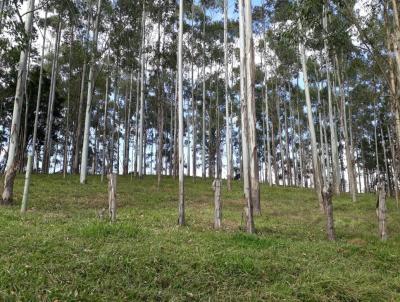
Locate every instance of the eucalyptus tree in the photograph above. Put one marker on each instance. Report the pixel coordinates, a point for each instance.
(7, 196)
(142, 87)
(91, 83)
(181, 219)
(228, 138)
(333, 136)
(50, 110)
(245, 103)
(25, 197)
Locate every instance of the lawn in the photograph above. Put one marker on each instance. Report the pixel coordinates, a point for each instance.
(61, 251)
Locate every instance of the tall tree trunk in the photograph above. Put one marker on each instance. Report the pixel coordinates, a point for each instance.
(316, 168)
(105, 145)
(333, 137)
(181, 219)
(160, 107)
(243, 5)
(396, 42)
(386, 162)
(394, 94)
(78, 134)
(7, 196)
(194, 127)
(278, 114)
(227, 114)
(25, 132)
(267, 144)
(274, 157)
(135, 167)
(300, 150)
(127, 126)
(394, 168)
(66, 131)
(203, 132)
(25, 197)
(86, 134)
(50, 111)
(287, 142)
(176, 134)
(142, 75)
(348, 146)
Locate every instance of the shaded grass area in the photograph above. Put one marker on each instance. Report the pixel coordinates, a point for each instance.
(60, 250)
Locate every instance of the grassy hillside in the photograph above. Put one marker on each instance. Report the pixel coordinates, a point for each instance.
(61, 251)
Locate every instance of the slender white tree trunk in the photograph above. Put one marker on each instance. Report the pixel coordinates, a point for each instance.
(244, 119)
(25, 197)
(50, 111)
(7, 196)
(267, 139)
(141, 121)
(316, 167)
(181, 219)
(127, 125)
(348, 147)
(251, 108)
(135, 168)
(334, 140)
(227, 114)
(194, 110)
(243, 104)
(203, 132)
(78, 134)
(66, 132)
(396, 41)
(86, 135)
(104, 140)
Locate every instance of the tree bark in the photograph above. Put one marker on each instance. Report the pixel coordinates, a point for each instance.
(181, 219)
(78, 134)
(244, 52)
(317, 172)
(394, 168)
(127, 126)
(381, 208)
(333, 137)
(251, 108)
(135, 166)
(142, 75)
(7, 196)
(66, 131)
(50, 111)
(25, 197)
(217, 204)
(86, 134)
(348, 147)
(227, 114)
(105, 145)
(203, 132)
(330, 228)
(112, 196)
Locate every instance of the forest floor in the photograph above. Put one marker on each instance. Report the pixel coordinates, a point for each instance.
(61, 251)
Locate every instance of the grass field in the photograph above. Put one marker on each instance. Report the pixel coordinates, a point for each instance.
(61, 251)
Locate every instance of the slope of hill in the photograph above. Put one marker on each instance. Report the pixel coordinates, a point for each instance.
(61, 251)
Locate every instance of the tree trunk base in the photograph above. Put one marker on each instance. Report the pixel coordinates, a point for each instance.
(217, 204)
(9, 177)
(112, 196)
(330, 224)
(381, 209)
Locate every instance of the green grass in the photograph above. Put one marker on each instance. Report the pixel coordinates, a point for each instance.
(61, 251)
